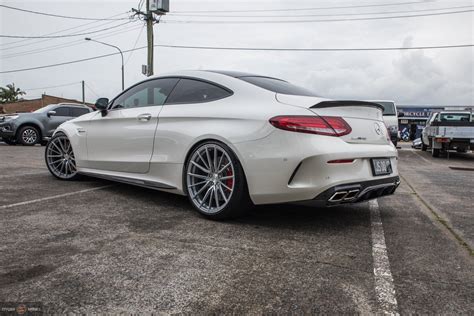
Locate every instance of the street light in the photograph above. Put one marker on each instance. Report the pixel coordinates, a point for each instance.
(123, 72)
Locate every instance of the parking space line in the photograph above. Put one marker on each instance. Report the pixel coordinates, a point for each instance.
(3, 207)
(419, 155)
(384, 286)
(23, 174)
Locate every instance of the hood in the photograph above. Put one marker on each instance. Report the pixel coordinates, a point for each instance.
(8, 117)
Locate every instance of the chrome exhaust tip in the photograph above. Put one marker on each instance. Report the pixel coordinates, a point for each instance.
(352, 194)
(338, 196)
(344, 196)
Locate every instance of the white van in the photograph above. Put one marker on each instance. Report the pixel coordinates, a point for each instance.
(390, 117)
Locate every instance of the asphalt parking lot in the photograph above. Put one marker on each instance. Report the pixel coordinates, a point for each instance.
(95, 246)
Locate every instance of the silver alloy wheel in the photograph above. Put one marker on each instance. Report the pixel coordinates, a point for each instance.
(29, 136)
(210, 178)
(60, 157)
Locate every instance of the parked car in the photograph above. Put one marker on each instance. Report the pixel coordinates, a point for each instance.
(228, 140)
(390, 117)
(37, 127)
(417, 143)
(448, 130)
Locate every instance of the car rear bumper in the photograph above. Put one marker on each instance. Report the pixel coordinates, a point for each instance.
(292, 167)
(358, 192)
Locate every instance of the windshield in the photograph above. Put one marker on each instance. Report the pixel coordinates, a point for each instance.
(454, 117)
(278, 86)
(388, 108)
(44, 109)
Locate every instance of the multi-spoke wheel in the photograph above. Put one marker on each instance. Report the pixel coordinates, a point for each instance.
(28, 136)
(215, 182)
(60, 158)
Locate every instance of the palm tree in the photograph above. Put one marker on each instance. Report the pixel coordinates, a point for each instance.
(10, 93)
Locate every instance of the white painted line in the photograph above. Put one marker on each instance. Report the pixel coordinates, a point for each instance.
(384, 287)
(3, 207)
(23, 174)
(419, 155)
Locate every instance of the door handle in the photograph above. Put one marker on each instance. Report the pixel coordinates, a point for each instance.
(144, 117)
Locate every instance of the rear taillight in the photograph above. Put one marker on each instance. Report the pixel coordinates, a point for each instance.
(321, 125)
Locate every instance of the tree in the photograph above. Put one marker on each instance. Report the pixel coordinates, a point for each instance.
(10, 93)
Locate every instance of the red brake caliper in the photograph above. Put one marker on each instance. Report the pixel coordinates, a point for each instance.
(229, 182)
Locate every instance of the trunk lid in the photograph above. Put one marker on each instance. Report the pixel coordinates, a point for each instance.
(365, 118)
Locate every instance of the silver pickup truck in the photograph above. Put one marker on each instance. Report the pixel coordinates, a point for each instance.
(448, 130)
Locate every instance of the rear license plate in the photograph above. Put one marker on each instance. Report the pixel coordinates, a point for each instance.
(381, 166)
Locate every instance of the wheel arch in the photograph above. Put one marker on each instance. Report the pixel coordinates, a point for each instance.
(202, 140)
(32, 124)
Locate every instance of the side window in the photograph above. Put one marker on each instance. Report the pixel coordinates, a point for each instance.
(75, 112)
(62, 111)
(149, 93)
(162, 89)
(195, 91)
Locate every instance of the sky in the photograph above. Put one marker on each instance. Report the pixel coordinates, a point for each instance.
(413, 77)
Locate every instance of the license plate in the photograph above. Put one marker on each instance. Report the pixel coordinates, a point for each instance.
(381, 166)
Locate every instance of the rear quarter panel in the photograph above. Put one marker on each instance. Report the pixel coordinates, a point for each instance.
(231, 120)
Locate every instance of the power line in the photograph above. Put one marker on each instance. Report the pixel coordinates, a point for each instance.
(51, 87)
(307, 9)
(67, 35)
(314, 15)
(312, 21)
(248, 49)
(57, 15)
(66, 44)
(60, 31)
(135, 45)
(317, 49)
(91, 90)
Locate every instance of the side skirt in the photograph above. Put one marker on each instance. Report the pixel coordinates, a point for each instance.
(142, 183)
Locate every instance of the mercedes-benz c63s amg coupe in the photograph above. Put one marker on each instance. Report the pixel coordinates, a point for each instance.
(230, 140)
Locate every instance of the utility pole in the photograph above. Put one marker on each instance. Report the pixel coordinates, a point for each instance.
(159, 7)
(149, 36)
(83, 92)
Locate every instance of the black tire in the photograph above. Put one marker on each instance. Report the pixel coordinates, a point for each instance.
(239, 201)
(435, 152)
(44, 143)
(423, 146)
(10, 142)
(28, 136)
(54, 170)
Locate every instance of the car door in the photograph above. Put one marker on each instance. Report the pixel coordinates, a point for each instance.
(122, 140)
(61, 115)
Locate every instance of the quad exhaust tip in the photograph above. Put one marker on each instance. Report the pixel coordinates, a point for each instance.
(351, 194)
(344, 195)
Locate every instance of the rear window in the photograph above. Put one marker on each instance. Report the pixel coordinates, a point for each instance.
(388, 108)
(278, 86)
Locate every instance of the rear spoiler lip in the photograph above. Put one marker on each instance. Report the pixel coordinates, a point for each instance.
(340, 103)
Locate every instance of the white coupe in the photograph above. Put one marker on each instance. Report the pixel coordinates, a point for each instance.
(229, 140)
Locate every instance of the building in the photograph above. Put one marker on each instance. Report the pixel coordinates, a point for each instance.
(35, 104)
(415, 116)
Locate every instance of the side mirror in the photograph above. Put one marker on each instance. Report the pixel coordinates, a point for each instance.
(101, 104)
(401, 114)
(51, 113)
